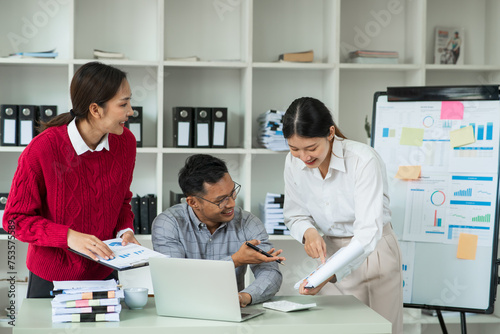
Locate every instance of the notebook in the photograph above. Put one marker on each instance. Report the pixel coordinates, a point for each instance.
(201, 289)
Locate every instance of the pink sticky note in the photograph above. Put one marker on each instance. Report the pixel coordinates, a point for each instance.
(452, 110)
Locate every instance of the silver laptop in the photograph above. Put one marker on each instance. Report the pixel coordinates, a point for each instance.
(202, 289)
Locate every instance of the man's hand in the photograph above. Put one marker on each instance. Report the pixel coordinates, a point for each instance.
(129, 237)
(246, 255)
(245, 299)
(314, 244)
(89, 245)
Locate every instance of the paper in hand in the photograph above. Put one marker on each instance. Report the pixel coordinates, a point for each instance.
(332, 265)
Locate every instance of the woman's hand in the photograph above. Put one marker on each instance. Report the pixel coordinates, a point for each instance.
(89, 245)
(313, 291)
(314, 244)
(129, 237)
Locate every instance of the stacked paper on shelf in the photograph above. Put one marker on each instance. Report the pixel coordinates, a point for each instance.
(271, 212)
(271, 130)
(86, 301)
(373, 57)
(35, 54)
(101, 54)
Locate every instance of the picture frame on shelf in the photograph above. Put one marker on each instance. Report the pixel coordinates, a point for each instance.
(448, 46)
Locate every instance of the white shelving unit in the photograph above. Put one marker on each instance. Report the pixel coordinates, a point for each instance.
(238, 43)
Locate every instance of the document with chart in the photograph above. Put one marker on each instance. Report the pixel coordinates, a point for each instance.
(126, 257)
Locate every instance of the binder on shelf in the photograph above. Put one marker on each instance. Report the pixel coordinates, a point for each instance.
(27, 123)
(135, 203)
(147, 208)
(3, 201)
(183, 126)
(152, 205)
(134, 124)
(46, 114)
(8, 125)
(175, 198)
(202, 121)
(144, 215)
(219, 127)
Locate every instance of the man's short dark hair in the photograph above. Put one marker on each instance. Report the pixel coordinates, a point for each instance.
(197, 170)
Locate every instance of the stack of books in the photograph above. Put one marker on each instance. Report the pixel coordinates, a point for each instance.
(86, 301)
(271, 130)
(101, 54)
(271, 212)
(373, 57)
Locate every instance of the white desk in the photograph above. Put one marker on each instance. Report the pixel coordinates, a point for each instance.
(333, 314)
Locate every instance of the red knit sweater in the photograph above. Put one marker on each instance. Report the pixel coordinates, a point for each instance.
(54, 189)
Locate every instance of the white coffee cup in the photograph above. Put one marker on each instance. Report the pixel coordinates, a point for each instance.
(136, 298)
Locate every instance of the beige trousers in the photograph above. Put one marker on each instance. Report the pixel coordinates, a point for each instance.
(377, 282)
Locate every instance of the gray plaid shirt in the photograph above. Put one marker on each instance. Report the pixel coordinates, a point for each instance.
(179, 233)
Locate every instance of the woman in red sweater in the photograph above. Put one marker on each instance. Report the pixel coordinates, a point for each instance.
(72, 184)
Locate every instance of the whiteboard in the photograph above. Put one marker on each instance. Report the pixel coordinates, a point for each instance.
(454, 199)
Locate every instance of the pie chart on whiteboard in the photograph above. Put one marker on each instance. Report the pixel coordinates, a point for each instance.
(438, 198)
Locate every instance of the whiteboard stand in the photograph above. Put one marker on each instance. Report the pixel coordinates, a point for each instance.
(454, 196)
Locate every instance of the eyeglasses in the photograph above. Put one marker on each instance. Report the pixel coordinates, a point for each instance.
(223, 202)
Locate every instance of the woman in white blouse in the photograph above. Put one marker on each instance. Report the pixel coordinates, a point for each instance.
(339, 186)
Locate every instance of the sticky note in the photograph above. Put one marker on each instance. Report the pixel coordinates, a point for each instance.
(452, 110)
(467, 246)
(412, 136)
(408, 172)
(461, 137)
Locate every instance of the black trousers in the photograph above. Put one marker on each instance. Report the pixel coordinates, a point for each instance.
(40, 288)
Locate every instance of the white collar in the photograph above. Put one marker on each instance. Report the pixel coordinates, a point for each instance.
(337, 159)
(79, 144)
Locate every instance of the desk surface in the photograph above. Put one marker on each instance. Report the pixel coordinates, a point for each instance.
(333, 314)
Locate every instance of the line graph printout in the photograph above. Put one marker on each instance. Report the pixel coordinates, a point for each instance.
(472, 207)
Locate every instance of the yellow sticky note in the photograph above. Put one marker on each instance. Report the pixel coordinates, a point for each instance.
(412, 137)
(461, 137)
(408, 172)
(467, 246)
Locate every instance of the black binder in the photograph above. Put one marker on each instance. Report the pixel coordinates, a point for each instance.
(134, 124)
(219, 128)
(3, 201)
(135, 203)
(144, 215)
(46, 114)
(147, 210)
(8, 125)
(27, 123)
(152, 211)
(175, 198)
(183, 126)
(202, 131)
